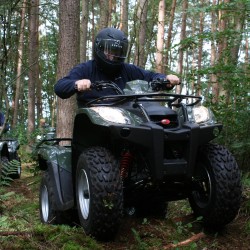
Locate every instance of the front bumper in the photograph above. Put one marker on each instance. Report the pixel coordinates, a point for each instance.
(168, 152)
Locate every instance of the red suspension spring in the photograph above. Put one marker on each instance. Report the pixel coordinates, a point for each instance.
(125, 163)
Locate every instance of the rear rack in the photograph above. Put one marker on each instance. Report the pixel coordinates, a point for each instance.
(56, 140)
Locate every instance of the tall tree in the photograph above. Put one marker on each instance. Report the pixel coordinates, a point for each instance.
(142, 10)
(182, 37)
(104, 14)
(124, 16)
(160, 37)
(222, 48)
(33, 62)
(68, 56)
(84, 30)
(213, 78)
(19, 64)
(201, 28)
(169, 38)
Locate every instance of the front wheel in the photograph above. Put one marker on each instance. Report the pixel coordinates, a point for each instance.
(216, 193)
(99, 193)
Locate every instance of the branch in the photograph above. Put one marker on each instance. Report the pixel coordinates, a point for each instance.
(194, 238)
(14, 233)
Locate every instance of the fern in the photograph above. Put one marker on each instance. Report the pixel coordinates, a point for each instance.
(7, 169)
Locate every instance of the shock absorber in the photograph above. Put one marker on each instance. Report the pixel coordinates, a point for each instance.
(126, 160)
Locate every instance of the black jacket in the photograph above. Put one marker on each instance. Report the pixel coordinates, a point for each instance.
(65, 87)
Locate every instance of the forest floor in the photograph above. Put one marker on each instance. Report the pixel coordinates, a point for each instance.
(20, 226)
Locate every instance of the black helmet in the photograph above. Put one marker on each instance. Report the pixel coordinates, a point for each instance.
(110, 49)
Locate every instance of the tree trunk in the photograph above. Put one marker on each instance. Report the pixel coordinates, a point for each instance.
(213, 77)
(160, 37)
(246, 54)
(140, 46)
(182, 37)
(198, 86)
(113, 18)
(222, 58)
(16, 106)
(93, 25)
(191, 79)
(84, 31)
(167, 63)
(33, 63)
(68, 56)
(104, 14)
(124, 16)
(237, 23)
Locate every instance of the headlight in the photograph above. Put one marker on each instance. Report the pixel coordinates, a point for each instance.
(38, 137)
(112, 114)
(202, 114)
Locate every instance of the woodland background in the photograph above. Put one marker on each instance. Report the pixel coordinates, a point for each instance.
(206, 43)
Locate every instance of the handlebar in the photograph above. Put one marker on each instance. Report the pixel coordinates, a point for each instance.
(159, 84)
(156, 85)
(100, 85)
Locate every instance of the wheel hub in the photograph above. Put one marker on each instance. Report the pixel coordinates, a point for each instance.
(84, 194)
(45, 203)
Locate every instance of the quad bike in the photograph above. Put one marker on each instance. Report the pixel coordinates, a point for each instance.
(8, 152)
(134, 151)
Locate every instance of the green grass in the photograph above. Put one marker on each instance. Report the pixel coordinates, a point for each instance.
(21, 229)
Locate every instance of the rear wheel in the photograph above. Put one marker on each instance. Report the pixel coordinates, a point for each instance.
(48, 213)
(216, 193)
(99, 193)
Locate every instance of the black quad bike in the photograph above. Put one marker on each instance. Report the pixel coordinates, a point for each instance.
(134, 151)
(8, 152)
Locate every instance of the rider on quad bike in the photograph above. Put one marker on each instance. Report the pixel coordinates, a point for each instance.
(134, 147)
(110, 51)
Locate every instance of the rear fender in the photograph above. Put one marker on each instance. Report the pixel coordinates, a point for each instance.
(57, 161)
(62, 186)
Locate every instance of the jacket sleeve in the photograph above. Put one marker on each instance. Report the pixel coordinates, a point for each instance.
(65, 87)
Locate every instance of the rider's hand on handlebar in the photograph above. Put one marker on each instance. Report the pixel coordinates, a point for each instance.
(82, 85)
(173, 79)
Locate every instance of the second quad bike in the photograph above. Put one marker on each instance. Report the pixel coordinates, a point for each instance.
(134, 151)
(8, 152)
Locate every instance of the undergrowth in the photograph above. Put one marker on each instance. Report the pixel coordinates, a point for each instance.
(20, 226)
(7, 169)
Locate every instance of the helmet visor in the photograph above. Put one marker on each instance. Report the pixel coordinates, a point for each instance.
(114, 50)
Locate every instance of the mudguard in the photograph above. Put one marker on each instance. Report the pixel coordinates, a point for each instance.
(57, 161)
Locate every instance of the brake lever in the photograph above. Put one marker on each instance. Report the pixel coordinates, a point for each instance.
(159, 84)
(96, 85)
